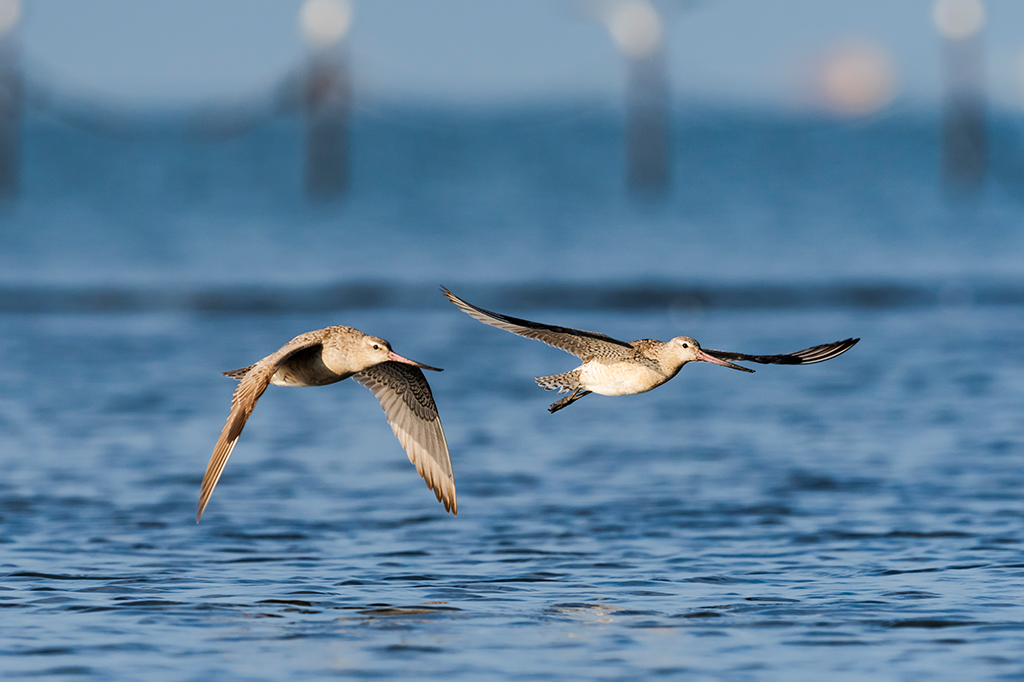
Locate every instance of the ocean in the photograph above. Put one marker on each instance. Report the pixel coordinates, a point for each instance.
(857, 519)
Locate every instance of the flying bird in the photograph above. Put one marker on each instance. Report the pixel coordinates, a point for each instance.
(613, 367)
(329, 355)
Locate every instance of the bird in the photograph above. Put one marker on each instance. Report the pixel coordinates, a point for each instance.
(332, 354)
(612, 367)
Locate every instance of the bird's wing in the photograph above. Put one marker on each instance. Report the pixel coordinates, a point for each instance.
(250, 387)
(807, 356)
(582, 344)
(405, 396)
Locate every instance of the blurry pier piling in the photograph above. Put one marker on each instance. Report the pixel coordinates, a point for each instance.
(647, 123)
(11, 99)
(964, 134)
(327, 110)
(327, 97)
(637, 29)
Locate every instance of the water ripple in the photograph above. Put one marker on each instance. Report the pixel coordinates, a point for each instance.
(698, 528)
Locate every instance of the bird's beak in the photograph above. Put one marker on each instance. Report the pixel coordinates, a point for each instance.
(395, 357)
(704, 357)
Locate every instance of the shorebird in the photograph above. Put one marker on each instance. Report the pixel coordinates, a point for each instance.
(613, 367)
(329, 355)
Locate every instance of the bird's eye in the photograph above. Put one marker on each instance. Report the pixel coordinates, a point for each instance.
(686, 345)
(376, 347)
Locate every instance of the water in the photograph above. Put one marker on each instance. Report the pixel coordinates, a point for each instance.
(858, 519)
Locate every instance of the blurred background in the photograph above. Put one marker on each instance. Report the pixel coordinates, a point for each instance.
(192, 146)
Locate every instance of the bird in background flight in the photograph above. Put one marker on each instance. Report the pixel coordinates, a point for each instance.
(613, 367)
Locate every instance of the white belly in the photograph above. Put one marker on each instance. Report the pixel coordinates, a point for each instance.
(305, 373)
(619, 378)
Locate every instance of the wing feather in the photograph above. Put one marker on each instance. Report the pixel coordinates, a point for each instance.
(252, 383)
(408, 404)
(582, 344)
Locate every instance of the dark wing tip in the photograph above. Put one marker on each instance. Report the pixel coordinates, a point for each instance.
(807, 356)
(826, 351)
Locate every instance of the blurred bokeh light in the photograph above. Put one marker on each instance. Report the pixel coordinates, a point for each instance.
(10, 13)
(857, 79)
(10, 16)
(635, 26)
(325, 22)
(958, 19)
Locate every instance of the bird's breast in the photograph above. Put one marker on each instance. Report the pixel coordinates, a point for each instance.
(620, 378)
(306, 369)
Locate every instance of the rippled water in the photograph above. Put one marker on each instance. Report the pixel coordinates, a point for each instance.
(859, 518)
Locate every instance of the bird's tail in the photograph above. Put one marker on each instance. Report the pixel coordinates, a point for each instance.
(237, 374)
(563, 383)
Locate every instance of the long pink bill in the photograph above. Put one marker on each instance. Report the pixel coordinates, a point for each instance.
(704, 357)
(395, 357)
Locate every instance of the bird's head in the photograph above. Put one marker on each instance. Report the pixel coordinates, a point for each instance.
(376, 350)
(684, 349)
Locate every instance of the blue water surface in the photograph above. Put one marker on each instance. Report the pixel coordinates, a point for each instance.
(858, 519)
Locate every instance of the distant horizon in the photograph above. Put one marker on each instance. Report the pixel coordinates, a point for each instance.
(681, 107)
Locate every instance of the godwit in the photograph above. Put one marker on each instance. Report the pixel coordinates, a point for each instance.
(329, 355)
(613, 367)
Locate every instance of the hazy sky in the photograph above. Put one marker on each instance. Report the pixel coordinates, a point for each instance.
(750, 52)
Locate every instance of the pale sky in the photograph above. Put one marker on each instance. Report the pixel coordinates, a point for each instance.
(740, 52)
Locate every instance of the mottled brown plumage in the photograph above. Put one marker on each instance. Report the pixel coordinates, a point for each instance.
(329, 355)
(613, 367)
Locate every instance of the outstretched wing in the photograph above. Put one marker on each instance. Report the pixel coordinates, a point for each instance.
(253, 380)
(409, 406)
(808, 356)
(582, 344)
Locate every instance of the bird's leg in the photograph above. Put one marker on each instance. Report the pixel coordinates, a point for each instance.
(567, 400)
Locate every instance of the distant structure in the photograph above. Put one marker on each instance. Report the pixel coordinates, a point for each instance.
(637, 29)
(327, 97)
(964, 145)
(11, 91)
